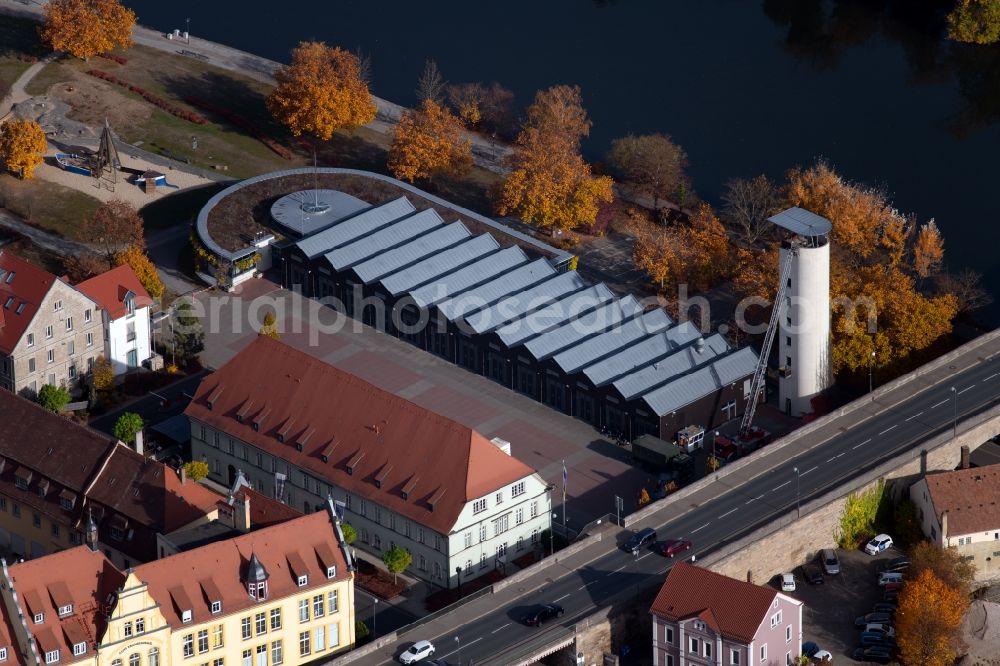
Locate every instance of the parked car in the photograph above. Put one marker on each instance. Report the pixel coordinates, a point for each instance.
(896, 564)
(879, 654)
(809, 648)
(872, 617)
(869, 638)
(671, 548)
(893, 586)
(831, 565)
(812, 574)
(417, 652)
(639, 539)
(881, 628)
(787, 582)
(878, 544)
(884, 607)
(538, 616)
(890, 596)
(822, 657)
(887, 577)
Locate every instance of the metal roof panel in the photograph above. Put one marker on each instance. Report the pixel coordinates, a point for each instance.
(698, 384)
(554, 314)
(516, 305)
(352, 228)
(389, 236)
(648, 378)
(599, 346)
(635, 357)
(490, 292)
(439, 264)
(577, 328)
(472, 274)
(801, 221)
(419, 247)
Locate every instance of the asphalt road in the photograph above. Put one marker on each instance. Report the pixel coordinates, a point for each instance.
(741, 510)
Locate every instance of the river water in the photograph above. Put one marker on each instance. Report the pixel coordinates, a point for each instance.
(745, 87)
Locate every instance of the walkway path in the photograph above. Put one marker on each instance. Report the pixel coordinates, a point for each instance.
(51, 242)
(16, 93)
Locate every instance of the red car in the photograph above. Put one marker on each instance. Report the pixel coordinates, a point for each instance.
(892, 587)
(671, 548)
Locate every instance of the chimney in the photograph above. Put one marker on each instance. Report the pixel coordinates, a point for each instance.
(138, 443)
(501, 444)
(241, 514)
(91, 531)
(964, 464)
(750, 576)
(944, 529)
(183, 474)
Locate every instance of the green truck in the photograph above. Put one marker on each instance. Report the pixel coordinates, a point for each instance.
(663, 456)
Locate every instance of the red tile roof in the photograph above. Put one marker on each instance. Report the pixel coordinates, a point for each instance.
(87, 578)
(340, 421)
(108, 290)
(731, 607)
(183, 579)
(27, 287)
(265, 511)
(970, 496)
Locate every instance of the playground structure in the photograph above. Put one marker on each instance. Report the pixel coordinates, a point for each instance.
(104, 165)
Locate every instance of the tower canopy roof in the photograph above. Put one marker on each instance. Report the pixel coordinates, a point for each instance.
(256, 573)
(802, 222)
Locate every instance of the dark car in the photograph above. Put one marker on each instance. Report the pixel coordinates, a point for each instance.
(884, 607)
(538, 616)
(639, 539)
(890, 596)
(812, 574)
(809, 648)
(876, 638)
(671, 548)
(872, 618)
(878, 654)
(895, 565)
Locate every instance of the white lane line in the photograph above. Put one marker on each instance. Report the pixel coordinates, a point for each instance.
(700, 528)
(618, 569)
(857, 446)
(888, 429)
(967, 388)
(559, 599)
(811, 469)
(832, 459)
(582, 587)
(728, 513)
(939, 404)
(910, 418)
(777, 488)
(508, 624)
(754, 499)
(986, 379)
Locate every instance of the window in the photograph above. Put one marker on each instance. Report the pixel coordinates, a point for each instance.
(500, 497)
(68, 608)
(51, 355)
(275, 619)
(303, 581)
(154, 657)
(247, 658)
(31, 339)
(86, 315)
(333, 635)
(130, 305)
(501, 524)
(69, 323)
(482, 532)
(517, 489)
(669, 636)
(519, 515)
(707, 645)
(217, 640)
(534, 509)
(90, 339)
(276, 653)
(331, 572)
(304, 644)
(216, 607)
(52, 657)
(776, 619)
(788, 659)
(303, 610)
(468, 539)
(130, 331)
(319, 639)
(245, 628)
(788, 634)
(79, 648)
(763, 652)
(188, 646)
(479, 506)
(670, 660)
(318, 607)
(260, 623)
(140, 626)
(31, 364)
(331, 601)
(693, 645)
(48, 332)
(71, 372)
(734, 657)
(39, 618)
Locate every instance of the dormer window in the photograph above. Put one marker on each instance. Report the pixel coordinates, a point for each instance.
(303, 581)
(405, 495)
(378, 483)
(281, 438)
(65, 610)
(79, 648)
(350, 470)
(331, 572)
(52, 657)
(256, 426)
(186, 616)
(216, 607)
(239, 418)
(39, 618)
(258, 591)
(130, 303)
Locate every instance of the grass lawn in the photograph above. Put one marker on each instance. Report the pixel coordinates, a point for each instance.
(19, 43)
(48, 206)
(179, 208)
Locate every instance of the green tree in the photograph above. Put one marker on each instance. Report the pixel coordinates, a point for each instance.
(361, 632)
(189, 337)
(350, 534)
(862, 512)
(975, 21)
(126, 427)
(396, 559)
(53, 398)
(269, 328)
(196, 470)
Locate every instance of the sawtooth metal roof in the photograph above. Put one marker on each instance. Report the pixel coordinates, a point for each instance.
(582, 328)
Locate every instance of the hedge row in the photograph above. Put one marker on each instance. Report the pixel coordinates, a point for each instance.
(241, 122)
(115, 58)
(173, 110)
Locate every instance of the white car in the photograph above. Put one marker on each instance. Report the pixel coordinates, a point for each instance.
(787, 582)
(822, 657)
(878, 544)
(416, 652)
(881, 628)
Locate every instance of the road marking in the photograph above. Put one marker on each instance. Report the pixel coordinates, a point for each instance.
(777, 488)
(832, 459)
(618, 569)
(812, 469)
(754, 499)
(938, 404)
(727, 514)
(700, 528)
(857, 446)
(501, 628)
(990, 377)
(965, 389)
(910, 418)
(559, 599)
(888, 429)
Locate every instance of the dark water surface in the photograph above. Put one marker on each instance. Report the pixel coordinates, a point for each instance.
(745, 87)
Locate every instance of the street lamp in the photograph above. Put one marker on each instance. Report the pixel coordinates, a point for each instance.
(954, 432)
(552, 535)
(374, 609)
(187, 30)
(798, 508)
(871, 368)
(457, 640)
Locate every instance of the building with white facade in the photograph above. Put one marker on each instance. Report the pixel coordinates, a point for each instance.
(125, 311)
(301, 431)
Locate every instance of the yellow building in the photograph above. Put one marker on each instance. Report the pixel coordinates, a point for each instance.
(280, 596)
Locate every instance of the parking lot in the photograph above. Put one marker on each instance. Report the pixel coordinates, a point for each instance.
(831, 608)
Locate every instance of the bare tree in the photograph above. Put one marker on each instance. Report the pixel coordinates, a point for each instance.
(496, 110)
(967, 288)
(467, 100)
(748, 203)
(431, 84)
(653, 163)
(364, 66)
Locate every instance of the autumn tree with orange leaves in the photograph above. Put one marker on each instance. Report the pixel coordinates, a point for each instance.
(87, 28)
(928, 251)
(549, 184)
(927, 622)
(321, 91)
(427, 142)
(144, 269)
(114, 226)
(22, 144)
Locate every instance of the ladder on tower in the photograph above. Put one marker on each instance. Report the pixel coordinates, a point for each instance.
(757, 384)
